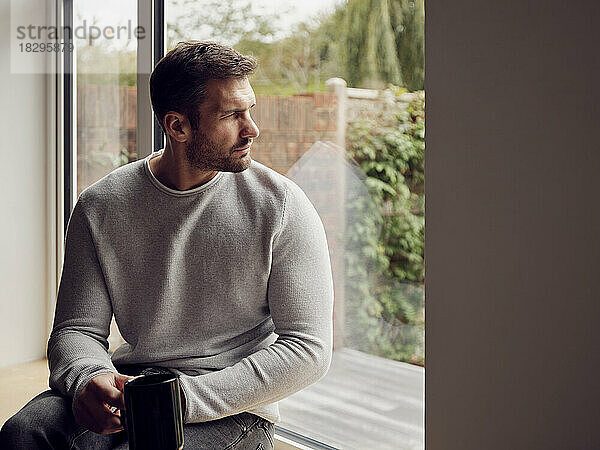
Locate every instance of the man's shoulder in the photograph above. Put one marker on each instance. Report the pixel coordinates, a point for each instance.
(113, 186)
(266, 174)
(264, 180)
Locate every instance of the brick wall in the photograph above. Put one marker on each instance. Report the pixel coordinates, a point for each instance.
(289, 126)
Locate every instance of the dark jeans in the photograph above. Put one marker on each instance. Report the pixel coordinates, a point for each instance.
(47, 422)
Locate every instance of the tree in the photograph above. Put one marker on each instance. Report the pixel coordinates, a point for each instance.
(225, 22)
(290, 65)
(409, 20)
(378, 42)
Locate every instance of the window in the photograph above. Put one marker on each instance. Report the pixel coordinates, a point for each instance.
(344, 119)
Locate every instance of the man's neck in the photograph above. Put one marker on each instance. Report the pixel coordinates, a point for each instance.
(176, 173)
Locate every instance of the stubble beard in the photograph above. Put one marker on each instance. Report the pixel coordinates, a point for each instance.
(205, 154)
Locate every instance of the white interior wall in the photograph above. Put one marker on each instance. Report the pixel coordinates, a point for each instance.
(23, 234)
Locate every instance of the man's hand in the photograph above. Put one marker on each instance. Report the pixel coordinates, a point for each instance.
(93, 407)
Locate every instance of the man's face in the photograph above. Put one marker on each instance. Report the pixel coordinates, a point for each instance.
(225, 131)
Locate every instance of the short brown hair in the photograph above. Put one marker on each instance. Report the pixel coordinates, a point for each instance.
(178, 82)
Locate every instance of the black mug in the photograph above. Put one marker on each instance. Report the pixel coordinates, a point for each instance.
(153, 417)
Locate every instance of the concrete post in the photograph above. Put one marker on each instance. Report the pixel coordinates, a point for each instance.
(338, 87)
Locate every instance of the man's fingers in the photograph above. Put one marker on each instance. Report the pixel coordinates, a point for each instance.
(111, 423)
(102, 421)
(94, 408)
(111, 426)
(113, 397)
(120, 380)
(105, 421)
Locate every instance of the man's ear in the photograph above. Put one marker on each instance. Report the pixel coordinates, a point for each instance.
(177, 126)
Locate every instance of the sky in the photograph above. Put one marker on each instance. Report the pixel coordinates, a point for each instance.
(122, 12)
(292, 11)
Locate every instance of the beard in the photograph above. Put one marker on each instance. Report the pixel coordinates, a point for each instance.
(204, 154)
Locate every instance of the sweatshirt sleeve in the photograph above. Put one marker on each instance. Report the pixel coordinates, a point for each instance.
(300, 297)
(78, 345)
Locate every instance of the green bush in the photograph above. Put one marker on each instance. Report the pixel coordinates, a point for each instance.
(385, 271)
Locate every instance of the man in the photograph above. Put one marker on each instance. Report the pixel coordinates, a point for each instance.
(215, 267)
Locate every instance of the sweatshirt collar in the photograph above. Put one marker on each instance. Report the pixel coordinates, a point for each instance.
(176, 192)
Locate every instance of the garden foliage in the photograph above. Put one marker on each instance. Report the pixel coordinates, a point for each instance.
(385, 267)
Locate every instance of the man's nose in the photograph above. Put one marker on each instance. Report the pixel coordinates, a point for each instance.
(251, 130)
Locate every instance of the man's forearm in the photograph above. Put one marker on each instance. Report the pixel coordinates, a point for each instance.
(75, 358)
(269, 375)
(78, 346)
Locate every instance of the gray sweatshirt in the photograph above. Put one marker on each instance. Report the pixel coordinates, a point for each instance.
(228, 285)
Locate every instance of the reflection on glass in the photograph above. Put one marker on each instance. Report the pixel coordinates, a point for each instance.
(365, 401)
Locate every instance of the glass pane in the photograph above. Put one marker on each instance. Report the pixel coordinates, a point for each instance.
(340, 106)
(106, 52)
(106, 63)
